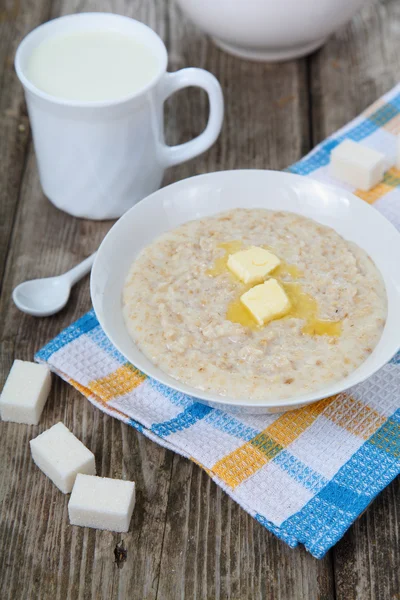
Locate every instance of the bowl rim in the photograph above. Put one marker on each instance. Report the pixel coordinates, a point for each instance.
(214, 399)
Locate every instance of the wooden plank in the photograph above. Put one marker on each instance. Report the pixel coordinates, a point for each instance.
(359, 64)
(41, 555)
(224, 552)
(44, 556)
(212, 548)
(55, 560)
(16, 20)
(355, 67)
(266, 118)
(367, 559)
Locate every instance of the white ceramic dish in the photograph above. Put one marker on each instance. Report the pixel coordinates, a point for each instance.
(209, 194)
(269, 30)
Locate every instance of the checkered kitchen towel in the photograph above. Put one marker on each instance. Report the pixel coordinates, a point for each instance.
(306, 475)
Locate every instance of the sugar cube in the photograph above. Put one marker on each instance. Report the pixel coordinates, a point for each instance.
(102, 503)
(253, 264)
(358, 165)
(266, 301)
(25, 392)
(61, 456)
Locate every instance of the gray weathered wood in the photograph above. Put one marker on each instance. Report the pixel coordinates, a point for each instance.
(188, 539)
(15, 23)
(366, 561)
(359, 64)
(213, 549)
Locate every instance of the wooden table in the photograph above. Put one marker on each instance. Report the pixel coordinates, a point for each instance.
(187, 538)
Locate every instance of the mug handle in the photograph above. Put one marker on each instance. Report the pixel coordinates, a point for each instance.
(172, 82)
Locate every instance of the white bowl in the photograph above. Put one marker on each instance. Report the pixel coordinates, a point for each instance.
(269, 29)
(209, 194)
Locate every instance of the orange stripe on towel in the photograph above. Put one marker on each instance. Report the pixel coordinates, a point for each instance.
(122, 381)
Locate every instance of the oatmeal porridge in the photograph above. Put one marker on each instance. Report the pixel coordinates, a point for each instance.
(182, 306)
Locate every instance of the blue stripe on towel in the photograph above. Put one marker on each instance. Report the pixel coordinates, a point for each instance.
(74, 331)
(185, 419)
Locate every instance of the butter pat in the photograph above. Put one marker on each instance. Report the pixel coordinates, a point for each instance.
(25, 393)
(359, 166)
(252, 265)
(102, 503)
(266, 301)
(61, 456)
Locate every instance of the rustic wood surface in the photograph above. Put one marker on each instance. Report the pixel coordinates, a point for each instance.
(188, 539)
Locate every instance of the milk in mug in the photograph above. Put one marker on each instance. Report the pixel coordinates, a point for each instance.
(95, 86)
(91, 66)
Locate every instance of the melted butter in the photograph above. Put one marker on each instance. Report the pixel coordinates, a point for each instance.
(303, 305)
(238, 313)
(220, 264)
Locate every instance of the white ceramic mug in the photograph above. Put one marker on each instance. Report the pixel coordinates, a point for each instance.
(97, 159)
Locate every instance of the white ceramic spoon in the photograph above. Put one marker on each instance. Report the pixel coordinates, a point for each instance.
(47, 296)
